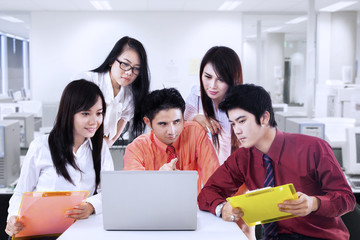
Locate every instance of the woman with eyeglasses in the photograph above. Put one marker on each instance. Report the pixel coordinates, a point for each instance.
(124, 79)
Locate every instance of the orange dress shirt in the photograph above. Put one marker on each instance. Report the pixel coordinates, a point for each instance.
(193, 148)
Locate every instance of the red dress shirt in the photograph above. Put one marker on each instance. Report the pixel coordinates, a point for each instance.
(305, 161)
(193, 149)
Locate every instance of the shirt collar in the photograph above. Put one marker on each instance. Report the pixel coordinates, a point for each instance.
(162, 145)
(110, 88)
(88, 141)
(275, 148)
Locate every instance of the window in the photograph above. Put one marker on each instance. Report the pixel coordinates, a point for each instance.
(14, 65)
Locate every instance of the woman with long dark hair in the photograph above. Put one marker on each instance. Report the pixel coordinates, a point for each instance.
(71, 157)
(124, 80)
(220, 70)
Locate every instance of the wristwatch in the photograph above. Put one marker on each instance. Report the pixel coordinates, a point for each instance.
(219, 208)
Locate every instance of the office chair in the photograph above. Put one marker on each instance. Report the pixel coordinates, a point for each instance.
(352, 220)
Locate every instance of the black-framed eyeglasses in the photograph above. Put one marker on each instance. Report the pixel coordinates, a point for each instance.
(126, 67)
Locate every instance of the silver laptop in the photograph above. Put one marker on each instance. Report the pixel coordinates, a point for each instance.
(149, 200)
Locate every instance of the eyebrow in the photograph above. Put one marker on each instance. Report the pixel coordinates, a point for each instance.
(131, 62)
(236, 119)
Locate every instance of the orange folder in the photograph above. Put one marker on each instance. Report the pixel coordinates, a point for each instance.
(43, 213)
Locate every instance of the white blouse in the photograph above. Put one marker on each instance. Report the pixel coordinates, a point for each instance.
(194, 107)
(39, 174)
(118, 107)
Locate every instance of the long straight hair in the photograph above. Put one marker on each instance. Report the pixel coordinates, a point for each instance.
(227, 65)
(140, 87)
(79, 95)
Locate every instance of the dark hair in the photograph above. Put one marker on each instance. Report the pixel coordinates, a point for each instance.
(140, 87)
(163, 99)
(227, 65)
(78, 95)
(251, 98)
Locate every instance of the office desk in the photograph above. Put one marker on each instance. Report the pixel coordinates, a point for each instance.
(208, 227)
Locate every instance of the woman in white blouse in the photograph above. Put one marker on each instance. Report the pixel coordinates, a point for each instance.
(124, 80)
(220, 69)
(71, 157)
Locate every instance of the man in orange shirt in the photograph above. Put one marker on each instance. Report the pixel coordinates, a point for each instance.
(172, 143)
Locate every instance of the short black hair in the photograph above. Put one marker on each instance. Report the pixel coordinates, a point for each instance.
(163, 99)
(251, 98)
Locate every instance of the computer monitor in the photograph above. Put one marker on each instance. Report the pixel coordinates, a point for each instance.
(351, 159)
(335, 134)
(27, 125)
(9, 152)
(281, 117)
(305, 126)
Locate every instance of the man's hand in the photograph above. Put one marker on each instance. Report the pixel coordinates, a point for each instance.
(171, 166)
(302, 206)
(82, 211)
(231, 214)
(13, 227)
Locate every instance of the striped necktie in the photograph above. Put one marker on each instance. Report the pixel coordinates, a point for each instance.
(170, 150)
(270, 229)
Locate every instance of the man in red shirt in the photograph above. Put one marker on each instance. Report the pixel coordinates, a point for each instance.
(172, 143)
(307, 162)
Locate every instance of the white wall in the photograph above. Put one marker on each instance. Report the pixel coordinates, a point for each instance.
(274, 60)
(343, 43)
(66, 43)
(249, 62)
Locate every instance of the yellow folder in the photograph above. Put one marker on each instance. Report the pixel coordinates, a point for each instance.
(261, 206)
(43, 213)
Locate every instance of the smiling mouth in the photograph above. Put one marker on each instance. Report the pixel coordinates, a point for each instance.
(212, 92)
(91, 129)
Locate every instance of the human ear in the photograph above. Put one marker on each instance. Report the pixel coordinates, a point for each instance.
(147, 121)
(265, 118)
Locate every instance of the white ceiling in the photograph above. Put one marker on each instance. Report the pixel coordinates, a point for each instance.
(270, 12)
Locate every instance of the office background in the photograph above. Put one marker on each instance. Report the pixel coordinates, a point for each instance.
(45, 43)
(69, 37)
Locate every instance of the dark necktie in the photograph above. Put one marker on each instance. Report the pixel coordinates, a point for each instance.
(270, 229)
(170, 150)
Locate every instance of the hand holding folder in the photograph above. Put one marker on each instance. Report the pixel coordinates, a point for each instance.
(43, 213)
(261, 206)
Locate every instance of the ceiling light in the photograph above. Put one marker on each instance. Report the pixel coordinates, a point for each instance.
(101, 5)
(297, 20)
(11, 19)
(229, 5)
(273, 29)
(337, 6)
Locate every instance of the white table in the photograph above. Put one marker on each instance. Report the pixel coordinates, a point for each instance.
(208, 227)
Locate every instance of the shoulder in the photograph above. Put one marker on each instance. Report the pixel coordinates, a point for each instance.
(194, 94)
(303, 142)
(191, 126)
(91, 76)
(141, 141)
(195, 90)
(40, 142)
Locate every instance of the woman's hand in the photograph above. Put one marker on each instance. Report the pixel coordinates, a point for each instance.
(13, 226)
(213, 125)
(81, 211)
